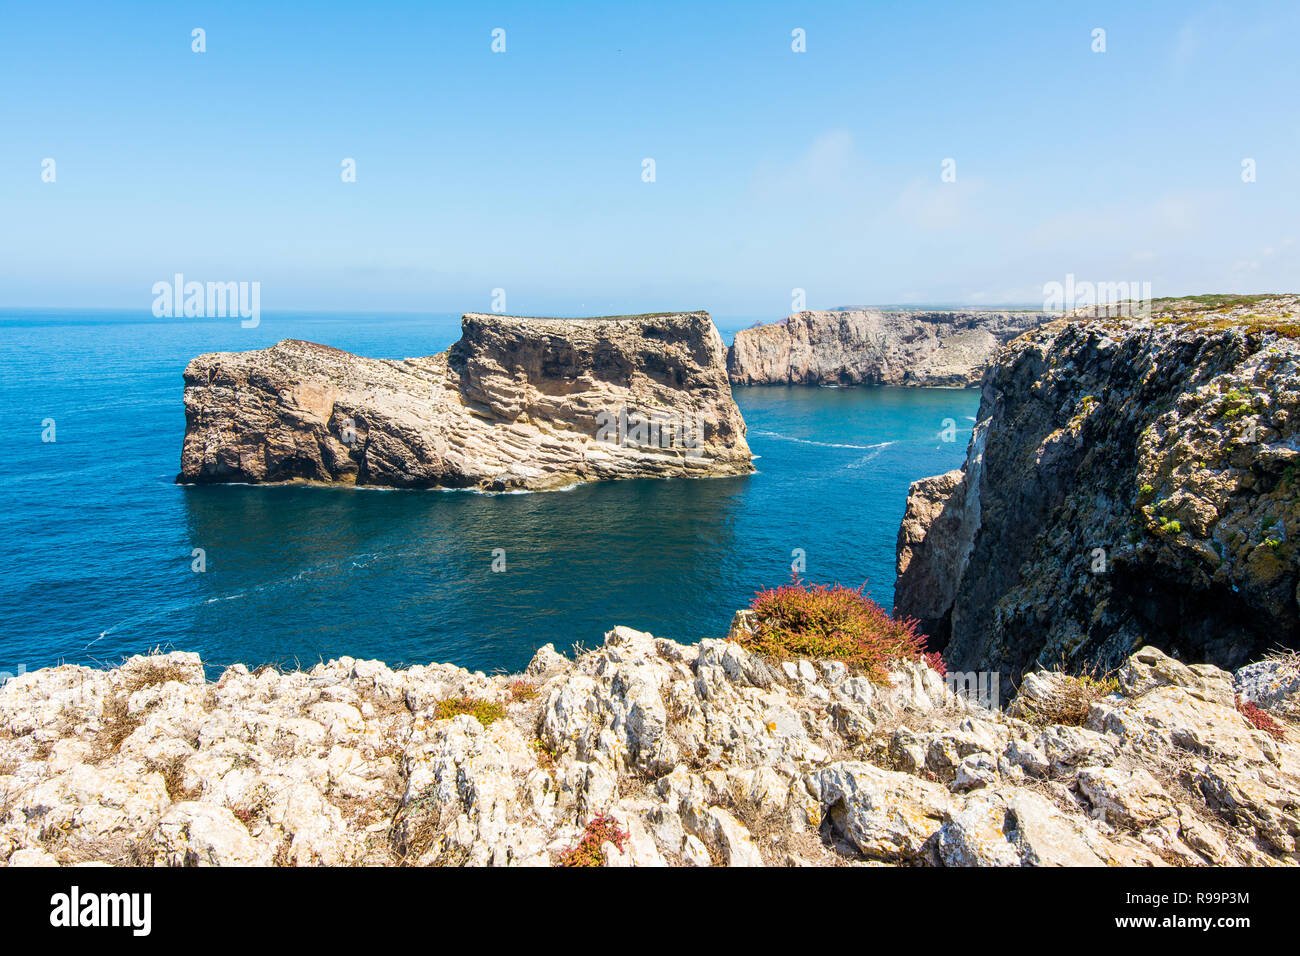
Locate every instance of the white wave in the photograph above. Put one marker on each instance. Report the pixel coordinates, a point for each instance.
(823, 444)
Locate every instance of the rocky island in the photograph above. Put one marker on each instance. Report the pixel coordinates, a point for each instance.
(517, 403)
(871, 347)
(1129, 481)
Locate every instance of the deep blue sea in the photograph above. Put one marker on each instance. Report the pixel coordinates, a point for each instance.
(95, 561)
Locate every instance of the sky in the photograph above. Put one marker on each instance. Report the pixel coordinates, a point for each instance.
(523, 170)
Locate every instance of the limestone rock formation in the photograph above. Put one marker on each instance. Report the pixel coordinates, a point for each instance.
(700, 755)
(868, 347)
(1129, 481)
(517, 403)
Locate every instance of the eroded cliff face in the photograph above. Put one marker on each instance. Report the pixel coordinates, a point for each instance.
(699, 755)
(1130, 481)
(517, 403)
(875, 348)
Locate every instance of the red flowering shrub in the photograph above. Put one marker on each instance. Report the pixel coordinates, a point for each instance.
(601, 830)
(836, 623)
(935, 660)
(1260, 720)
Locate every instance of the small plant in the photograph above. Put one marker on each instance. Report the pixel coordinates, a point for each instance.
(601, 830)
(935, 660)
(1145, 490)
(521, 690)
(116, 723)
(173, 774)
(832, 623)
(1070, 700)
(545, 755)
(154, 672)
(486, 712)
(1260, 720)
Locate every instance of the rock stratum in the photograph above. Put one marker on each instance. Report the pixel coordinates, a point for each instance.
(1129, 481)
(868, 347)
(681, 755)
(516, 403)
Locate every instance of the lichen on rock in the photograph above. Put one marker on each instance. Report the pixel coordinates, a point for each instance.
(1130, 481)
(690, 755)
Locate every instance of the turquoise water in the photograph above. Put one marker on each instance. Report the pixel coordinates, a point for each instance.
(97, 555)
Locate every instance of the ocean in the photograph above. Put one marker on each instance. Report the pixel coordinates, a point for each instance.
(97, 562)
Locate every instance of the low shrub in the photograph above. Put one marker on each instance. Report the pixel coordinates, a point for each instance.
(601, 830)
(833, 623)
(484, 711)
(1069, 702)
(1260, 720)
(521, 690)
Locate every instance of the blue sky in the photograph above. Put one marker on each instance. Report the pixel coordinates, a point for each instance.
(775, 170)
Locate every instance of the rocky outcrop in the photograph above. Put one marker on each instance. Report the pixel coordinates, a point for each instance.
(930, 553)
(1129, 481)
(683, 755)
(517, 403)
(867, 347)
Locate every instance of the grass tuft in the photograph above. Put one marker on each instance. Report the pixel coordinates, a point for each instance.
(521, 690)
(1069, 702)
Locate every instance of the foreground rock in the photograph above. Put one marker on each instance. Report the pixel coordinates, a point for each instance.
(1129, 481)
(517, 403)
(867, 347)
(704, 755)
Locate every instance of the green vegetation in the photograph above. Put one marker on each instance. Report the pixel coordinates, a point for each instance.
(1210, 302)
(1215, 313)
(486, 712)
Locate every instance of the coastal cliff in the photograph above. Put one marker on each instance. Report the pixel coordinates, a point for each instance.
(516, 403)
(1129, 481)
(868, 347)
(643, 752)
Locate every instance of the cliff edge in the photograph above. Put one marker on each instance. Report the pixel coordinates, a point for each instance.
(642, 752)
(516, 403)
(1129, 481)
(869, 347)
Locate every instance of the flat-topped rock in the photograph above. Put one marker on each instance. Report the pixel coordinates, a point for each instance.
(517, 403)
